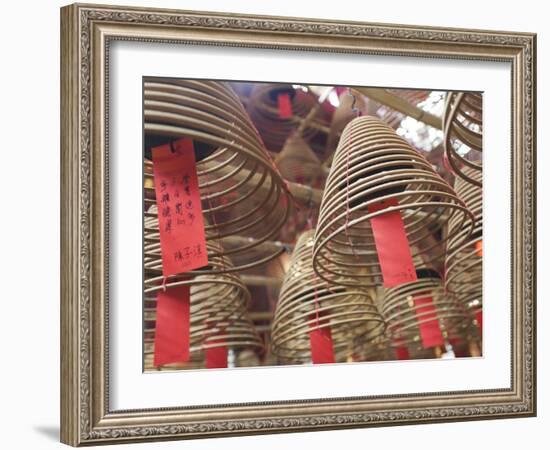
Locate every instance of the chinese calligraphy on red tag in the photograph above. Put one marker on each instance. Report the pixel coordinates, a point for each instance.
(181, 224)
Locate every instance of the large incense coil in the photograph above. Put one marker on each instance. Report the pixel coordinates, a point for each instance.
(233, 166)
(372, 164)
(307, 303)
(463, 128)
(264, 112)
(464, 271)
(404, 312)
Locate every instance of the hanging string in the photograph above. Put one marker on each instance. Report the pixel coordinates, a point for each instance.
(349, 138)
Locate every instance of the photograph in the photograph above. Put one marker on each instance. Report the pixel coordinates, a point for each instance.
(291, 223)
(282, 224)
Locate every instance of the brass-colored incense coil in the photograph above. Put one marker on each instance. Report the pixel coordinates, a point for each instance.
(404, 311)
(307, 303)
(372, 164)
(463, 128)
(297, 162)
(235, 333)
(216, 293)
(233, 166)
(264, 112)
(464, 268)
(218, 305)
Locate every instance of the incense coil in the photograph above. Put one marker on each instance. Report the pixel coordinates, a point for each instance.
(263, 109)
(402, 311)
(307, 303)
(464, 271)
(236, 333)
(218, 305)
(463, 129)
(298, 163)
(233, 167)
(372, 164)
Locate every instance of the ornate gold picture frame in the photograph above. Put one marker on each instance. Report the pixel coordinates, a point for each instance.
(87, 34)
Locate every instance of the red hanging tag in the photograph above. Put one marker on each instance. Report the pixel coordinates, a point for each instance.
(172, 326)
(392, 245)
(320, 341)
(216, 357)
(285, 105)
(181, 224)
(402, 353)
(479, 320)
(479, 248)
(430, 332)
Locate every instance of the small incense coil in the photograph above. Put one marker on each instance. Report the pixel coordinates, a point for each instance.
(372, 164)
(264, 112)
(307, 302)
(464, 271)
(400, 307)
(463, 128)
(233, 166)
(298, 163)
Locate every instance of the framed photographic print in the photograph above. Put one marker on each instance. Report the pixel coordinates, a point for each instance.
(276, 225)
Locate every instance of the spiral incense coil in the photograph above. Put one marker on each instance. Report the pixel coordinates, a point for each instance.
(235, 332)
(404, 311)
(233, 166)
(264, 112)
(298, 163)
(464, 274)
(463, 128)
(218, 305)
(307, 302)
(372, 164)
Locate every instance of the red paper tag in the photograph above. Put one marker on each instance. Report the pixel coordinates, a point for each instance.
(479, 319)
(430, 332)
(402, 353)
(216, 357)
(320, 341)
(479, 248)
(181, 225)
(285, 105)
(392, 245)
(172, 326)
